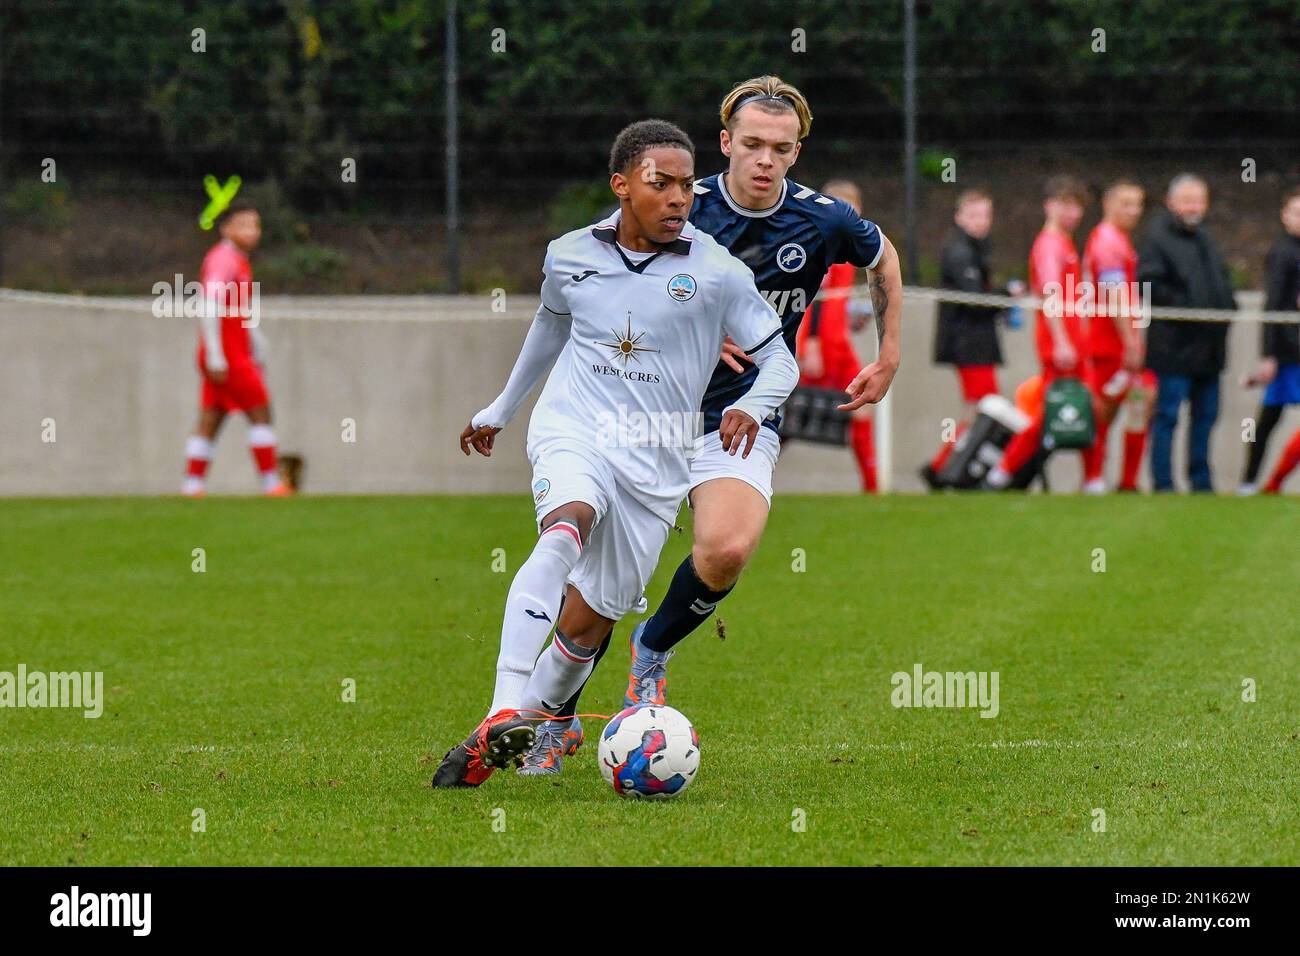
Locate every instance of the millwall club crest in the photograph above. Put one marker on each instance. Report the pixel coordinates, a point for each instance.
(791, 257)
(681, 287)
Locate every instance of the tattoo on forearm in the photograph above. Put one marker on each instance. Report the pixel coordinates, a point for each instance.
(879, 302)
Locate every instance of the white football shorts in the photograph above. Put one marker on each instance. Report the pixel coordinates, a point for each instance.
(712, 462)
(623, 548)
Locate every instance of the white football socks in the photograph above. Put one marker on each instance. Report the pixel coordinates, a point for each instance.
(261, 442)
(198, 448)
(198, 455)
(560, 671)
(532, 608)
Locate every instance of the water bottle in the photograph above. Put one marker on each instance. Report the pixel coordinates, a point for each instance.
(1015, 314)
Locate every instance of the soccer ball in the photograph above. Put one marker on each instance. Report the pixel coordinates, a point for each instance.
(649, 750)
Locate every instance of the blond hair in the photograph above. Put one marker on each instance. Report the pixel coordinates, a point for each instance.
(778, 96)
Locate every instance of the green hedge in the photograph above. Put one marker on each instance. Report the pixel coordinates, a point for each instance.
(287, 88)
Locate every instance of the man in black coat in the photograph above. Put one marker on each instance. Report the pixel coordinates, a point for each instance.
(1185, 269)
(966, 336)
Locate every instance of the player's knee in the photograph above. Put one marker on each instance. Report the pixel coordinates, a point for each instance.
(719, 563)
(209, 430)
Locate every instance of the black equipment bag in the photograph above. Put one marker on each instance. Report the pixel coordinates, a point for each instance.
(810, 414)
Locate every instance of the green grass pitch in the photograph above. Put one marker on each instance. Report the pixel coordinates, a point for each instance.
(1120, 691)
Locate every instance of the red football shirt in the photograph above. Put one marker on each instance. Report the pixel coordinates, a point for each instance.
(828, 319)
(227, 276)
(1108, 258)
(1054, 259)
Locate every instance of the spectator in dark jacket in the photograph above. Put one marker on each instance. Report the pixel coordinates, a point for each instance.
(1280, 367)
(1185, 269)
(966, 336)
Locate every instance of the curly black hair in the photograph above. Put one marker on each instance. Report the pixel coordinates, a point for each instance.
(642, 135)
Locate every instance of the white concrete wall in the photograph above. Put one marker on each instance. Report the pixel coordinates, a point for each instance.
(122, 389)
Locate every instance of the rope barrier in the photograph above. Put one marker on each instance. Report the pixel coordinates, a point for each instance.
(430, 308)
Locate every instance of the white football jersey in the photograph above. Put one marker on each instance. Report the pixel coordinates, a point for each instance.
(644, 339)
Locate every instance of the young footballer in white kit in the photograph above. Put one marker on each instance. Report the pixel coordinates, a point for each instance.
(644, 301)
(789, 235)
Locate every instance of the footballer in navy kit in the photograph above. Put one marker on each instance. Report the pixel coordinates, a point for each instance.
(789, 247)
(789, 236)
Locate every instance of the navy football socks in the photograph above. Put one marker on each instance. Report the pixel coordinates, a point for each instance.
(686, 606)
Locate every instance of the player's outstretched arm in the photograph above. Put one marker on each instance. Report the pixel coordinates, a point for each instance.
(885, 282)
(542, 346)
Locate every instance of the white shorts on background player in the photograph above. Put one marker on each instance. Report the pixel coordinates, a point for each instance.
(712, 461)
(623, 548)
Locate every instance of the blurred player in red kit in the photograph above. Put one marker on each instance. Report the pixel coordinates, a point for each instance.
(230, 355)
(1115, 352)
(1060, 333)
(827, 358)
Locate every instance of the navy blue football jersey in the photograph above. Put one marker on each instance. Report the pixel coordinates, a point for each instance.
(789, 248)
